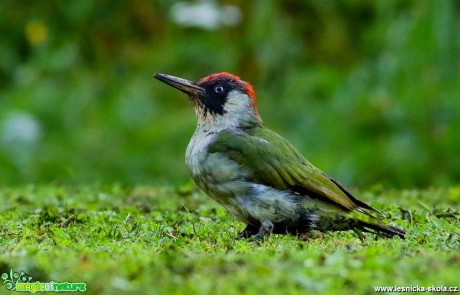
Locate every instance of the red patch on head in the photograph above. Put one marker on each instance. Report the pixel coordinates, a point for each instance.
(246, 85)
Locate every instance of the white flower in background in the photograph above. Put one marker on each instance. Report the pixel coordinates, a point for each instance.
(205, 14)
(19, 130)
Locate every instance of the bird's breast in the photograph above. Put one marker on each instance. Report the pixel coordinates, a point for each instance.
(215, 173)
(197, 150)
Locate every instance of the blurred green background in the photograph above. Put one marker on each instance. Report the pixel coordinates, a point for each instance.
(369, 91)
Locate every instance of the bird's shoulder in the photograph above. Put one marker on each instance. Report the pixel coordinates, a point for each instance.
(254, 140)
(269, 157)
(265, 144)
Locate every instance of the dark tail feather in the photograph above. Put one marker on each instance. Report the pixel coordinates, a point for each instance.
(385, 229)
(339, 222)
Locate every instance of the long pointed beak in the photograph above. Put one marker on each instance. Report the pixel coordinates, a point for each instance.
(186, 86)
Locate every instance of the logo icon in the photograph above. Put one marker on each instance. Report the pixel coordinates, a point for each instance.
(11, 279)
(22, 282)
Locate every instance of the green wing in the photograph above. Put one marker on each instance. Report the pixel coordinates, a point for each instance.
(273, 161)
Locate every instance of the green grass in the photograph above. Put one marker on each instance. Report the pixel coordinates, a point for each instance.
(148, 240)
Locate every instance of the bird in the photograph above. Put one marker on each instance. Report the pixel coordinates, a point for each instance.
(259, 176)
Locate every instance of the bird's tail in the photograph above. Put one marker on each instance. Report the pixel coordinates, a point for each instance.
(339, 222)
(388, 230)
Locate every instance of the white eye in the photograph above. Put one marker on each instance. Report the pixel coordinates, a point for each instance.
(219, 89)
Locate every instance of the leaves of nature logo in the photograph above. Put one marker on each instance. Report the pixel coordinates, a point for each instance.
(21, 282)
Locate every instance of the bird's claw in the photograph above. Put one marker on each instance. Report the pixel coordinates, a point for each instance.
(248, 232)
(254, 233)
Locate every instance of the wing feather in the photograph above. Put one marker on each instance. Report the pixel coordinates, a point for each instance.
(273, 161)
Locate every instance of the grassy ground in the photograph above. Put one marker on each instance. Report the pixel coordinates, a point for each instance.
(147, 240)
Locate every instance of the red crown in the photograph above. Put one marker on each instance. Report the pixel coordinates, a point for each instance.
(246, 85)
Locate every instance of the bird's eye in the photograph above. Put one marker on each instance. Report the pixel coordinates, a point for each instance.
(219, 89)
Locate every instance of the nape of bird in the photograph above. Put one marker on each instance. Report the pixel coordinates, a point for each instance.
(256, 174)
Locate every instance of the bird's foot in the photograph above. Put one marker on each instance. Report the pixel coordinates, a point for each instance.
(249, 231)
(264, 231)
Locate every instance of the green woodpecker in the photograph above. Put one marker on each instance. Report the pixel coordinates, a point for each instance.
(256, 174)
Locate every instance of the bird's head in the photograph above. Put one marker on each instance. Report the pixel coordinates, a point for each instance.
(222, 100)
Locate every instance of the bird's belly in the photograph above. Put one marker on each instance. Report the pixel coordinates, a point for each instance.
(222, 179)
(230, 184)
(267, 203)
